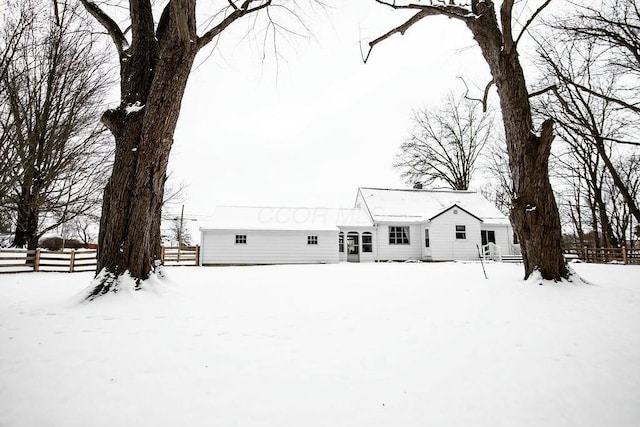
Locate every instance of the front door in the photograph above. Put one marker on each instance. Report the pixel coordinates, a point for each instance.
(353, 247)
(488, 236)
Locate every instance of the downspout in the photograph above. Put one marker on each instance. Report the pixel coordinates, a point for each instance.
(375, 226)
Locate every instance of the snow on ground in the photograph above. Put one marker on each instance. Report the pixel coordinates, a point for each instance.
(431, 344)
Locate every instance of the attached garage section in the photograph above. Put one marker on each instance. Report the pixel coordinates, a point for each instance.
(250, 235)
(247, 247)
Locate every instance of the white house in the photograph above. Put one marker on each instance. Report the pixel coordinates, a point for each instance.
(435, 225)
(385, 224)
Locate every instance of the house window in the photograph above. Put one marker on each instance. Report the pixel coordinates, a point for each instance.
(367, 242)
(312, 240)
(241, 239)
(398, 235)
(461, 232)
(341, 242)
(426, 238)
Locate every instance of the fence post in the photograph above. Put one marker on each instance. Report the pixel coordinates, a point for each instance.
(162, 255)
(197, 254)
(624, 254)
(36, 260)
(72, 260)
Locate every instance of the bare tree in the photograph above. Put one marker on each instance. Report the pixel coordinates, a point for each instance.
(53, 89)
(621, 218)
(587, 107)
(498, 186)
(84, 228)
(581, 168)
(15, 21)
(178, 232)
(445, 143)
(156, 56)
(612, 25)
(173, 225)
(534, 212)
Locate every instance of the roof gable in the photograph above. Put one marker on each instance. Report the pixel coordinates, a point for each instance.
(404, 205)
(455, 206)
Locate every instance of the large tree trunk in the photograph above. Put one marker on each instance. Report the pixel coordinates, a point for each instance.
(154, 70)
(609, 239)
(153, 80)
(26, 229)
(534, 212)
(595, 227)
(26, 221)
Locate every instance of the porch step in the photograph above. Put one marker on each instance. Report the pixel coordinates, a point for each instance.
(512, 258)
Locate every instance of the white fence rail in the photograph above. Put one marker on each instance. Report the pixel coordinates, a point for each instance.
(180, 255)
(23, 260)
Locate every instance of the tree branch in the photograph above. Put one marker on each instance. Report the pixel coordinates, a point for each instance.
(533, 17)
(233, 5)
(451, 11)
(621, 141)
(109, 24)
(620, 102)
(546, 138)
(485, 97)
(181, 20)
(505, 19)
(163, 23)
(543, 91)
(237, 13)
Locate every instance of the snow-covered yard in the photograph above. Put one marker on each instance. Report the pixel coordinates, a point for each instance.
(324, 345)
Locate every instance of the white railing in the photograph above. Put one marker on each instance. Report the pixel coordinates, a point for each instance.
(491, 251)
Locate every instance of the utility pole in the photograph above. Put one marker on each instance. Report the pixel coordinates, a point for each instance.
(180, 226)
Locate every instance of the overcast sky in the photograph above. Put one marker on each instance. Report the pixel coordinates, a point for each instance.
(324, 123)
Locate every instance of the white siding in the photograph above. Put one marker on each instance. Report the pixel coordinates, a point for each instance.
(269, 247)
(342, 256)
(442, 231)
(399, 252)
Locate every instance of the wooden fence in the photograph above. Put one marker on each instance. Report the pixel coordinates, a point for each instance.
(604, 255)
(22, 260)
(180, 255)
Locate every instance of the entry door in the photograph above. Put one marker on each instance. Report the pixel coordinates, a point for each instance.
(353, 247)
(488, 236)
